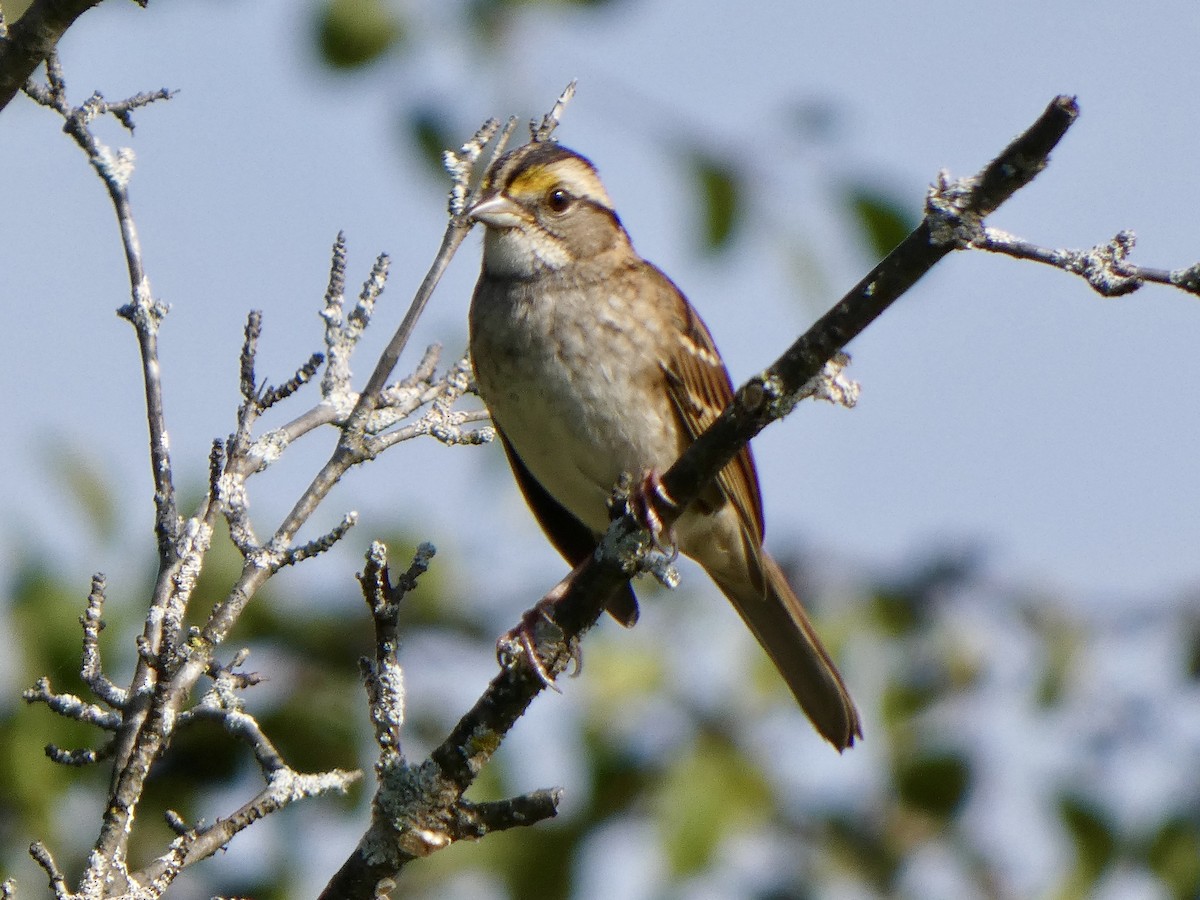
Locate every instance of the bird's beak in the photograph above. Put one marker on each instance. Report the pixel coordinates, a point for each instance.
(497, 211)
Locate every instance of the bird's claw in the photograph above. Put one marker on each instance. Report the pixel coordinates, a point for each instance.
(522, 641)
(648, 501)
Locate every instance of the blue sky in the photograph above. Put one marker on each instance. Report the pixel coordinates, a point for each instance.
(1003, 404)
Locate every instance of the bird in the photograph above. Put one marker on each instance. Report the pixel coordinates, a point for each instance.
(593, 364)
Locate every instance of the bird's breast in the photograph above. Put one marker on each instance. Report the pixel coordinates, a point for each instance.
(566, 379)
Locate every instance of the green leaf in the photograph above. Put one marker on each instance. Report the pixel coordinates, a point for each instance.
(1094, 836)
(705, 795)
(1174, 856)
(901, 702)
(721, 199)
(353, 33)
(935, 784)
(882, 220)
(88, 484)
(429, 130)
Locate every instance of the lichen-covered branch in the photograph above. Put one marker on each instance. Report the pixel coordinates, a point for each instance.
(173, 657)
(1106, 267)
(417, 809)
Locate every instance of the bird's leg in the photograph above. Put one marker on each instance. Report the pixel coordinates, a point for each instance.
(648, 501)
(523, 639)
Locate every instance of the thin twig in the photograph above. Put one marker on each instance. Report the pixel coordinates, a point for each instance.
(90, 668)
(544, 130)
(459, 165)
(58, 883)
(171, 659)
(416, 809)
(143, 311)
(284, 788)
(71, 707)
(1106, 267)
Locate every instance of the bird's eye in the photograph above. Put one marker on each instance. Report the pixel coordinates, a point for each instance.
(558, 200)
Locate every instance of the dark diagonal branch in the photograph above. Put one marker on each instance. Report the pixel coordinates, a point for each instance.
(27, 42)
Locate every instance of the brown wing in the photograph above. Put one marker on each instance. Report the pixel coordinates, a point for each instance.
(570, 537)
(700, 388)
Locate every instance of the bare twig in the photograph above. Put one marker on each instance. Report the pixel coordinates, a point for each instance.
(85, 756)
(443, 420)
(171, 659)
(143, 312)
(461, 167)
(284, 788)
(58, 883)
(384, 678)
(180, 548)
(1106, 267)
(71, 707)
(416, 809)
(283, 785)
(91, 669)
(320, 545)
(304, 374)
(544, 130)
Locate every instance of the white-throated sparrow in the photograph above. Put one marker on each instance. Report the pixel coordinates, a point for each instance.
(594, 364)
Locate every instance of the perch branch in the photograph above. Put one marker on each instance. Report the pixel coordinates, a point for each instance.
(27, 42)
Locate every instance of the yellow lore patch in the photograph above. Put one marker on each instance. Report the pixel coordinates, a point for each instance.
(533, 182)
(576, 176)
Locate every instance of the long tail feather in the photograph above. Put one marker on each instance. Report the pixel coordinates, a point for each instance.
(777, 618)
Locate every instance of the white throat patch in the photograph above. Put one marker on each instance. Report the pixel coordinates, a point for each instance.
(511, 252)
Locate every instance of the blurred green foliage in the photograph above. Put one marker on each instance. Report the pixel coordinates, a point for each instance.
(489, 18)
(706, 794)
(881, 219)
(693, 798)
(355, 33)
(1095, 840)
(720, 195)
(1173, 855)
(431, 134)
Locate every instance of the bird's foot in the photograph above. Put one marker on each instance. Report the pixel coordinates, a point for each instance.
(648, 503)
(523, 640)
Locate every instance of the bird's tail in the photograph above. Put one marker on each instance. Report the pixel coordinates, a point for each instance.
(777, 618)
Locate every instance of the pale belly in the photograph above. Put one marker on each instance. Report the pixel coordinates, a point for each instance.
(566, 404)
(562, 391)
